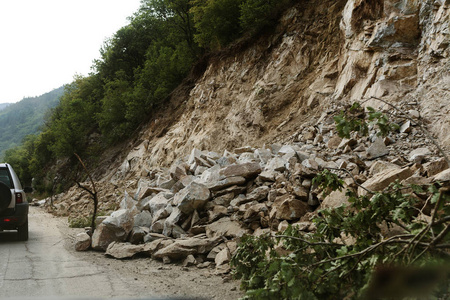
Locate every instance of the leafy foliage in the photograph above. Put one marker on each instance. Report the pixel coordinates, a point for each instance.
(354, 120)
(338, 259)
(219, 22)
(352, 252)
(257, 14)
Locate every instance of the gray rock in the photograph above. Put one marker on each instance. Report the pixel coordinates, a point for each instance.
(189, 261)
(180, 249)
(268, 175)
(127, 202)
(264, 155)
(143, 219)
(195, 153)
(123, 250)
(193, 197)
(217, 212)
(223, 257)
(434, 167)
(382, 179)
(225, 227)
(418, 155)
(276, 164)
(335, 199)
(178, 170)
(288, 208)
(247, 170)
(443, 176)
(225, 183)
(137, 235)
(114, 228)
(406, 127)
(157, 205)
(157, 226)
(377, 149)
(106, 234)
(172, 221)
(82, 241)
(152, 236)
(258, 194)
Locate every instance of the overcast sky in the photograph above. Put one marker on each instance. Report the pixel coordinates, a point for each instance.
(44, 43)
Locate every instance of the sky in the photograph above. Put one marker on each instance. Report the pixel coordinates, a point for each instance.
(45, 43)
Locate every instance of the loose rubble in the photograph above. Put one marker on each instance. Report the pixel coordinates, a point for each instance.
(195, 212)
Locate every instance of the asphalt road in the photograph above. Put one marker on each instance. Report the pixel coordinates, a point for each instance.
(43, 267)
(47, 267)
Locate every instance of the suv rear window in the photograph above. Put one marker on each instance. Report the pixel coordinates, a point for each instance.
(5, 178)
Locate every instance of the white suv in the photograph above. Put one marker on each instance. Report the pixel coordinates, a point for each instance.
(13, 203)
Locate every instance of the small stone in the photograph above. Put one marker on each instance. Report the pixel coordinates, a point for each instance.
(334, 142)
(189, 261)
(443, 176)
(406, 127)
(418, 155)
(414, 113)
(377, 149)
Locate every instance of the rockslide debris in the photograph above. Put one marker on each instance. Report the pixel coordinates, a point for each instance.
(196, 211)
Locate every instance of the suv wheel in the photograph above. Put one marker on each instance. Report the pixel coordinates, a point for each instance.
(22, 232)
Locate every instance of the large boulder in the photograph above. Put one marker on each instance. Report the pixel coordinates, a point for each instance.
(143, 219)
(170, 224)
(193, 197)
(114, 228)
(246, 170)
(82, 242)
(160, 207)
(180, 249)
(287, 207)
(382, 180)
(225, 183)
(123, 250)
(225, 227)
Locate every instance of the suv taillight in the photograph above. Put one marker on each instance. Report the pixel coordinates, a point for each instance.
(19, 198)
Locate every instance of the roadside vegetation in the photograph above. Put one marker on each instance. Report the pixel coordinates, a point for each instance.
(353, 251)
(138, 68)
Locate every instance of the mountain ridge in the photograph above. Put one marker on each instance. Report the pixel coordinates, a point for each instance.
(25, 117)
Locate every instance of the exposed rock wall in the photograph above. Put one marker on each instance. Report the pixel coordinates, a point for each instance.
(322, 52)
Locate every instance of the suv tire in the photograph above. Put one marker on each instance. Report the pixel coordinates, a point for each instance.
(22, 232)
(5, 196)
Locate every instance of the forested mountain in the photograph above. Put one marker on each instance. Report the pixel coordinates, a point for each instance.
(4, 105)
(25, 117)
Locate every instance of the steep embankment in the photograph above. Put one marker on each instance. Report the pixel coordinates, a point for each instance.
(322, 53)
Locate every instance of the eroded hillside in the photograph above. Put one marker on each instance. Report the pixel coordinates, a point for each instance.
(321, 54)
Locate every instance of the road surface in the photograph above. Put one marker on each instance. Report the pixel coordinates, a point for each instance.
(47, 266)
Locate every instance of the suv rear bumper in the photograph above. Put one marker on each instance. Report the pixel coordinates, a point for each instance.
(17, 218)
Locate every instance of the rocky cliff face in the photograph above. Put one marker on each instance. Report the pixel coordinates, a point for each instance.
(321, 54)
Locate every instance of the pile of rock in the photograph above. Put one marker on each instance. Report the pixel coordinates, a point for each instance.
(195, 211)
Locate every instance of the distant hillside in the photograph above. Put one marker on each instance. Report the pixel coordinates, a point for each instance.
(25, 117)
(4, 105)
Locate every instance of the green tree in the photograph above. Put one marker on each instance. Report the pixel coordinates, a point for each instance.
(257, 14)
(217, 22)
(75, 118)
